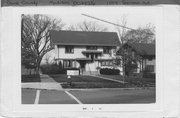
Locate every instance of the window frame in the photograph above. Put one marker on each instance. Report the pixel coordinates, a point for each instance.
(69, 49)
(105, 48)
(106, 63)
(91, 47)
(69, 64)
(150, 68)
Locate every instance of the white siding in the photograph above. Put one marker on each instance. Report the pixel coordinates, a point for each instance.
(77, 52)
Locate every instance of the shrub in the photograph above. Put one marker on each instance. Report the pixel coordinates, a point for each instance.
(129, 68)
(50, 69)
(55, 69)
(108, 71)
(31, 78)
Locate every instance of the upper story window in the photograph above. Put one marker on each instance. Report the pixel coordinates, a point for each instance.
(92, 56)
(106, 50)
(69, 49)
(149, 68)
(91, 47)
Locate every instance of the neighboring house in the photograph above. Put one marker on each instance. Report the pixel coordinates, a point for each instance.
(145, 54)
(85, 50)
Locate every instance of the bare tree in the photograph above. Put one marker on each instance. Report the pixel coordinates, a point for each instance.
(122, 33)
(36, 38)
(87, 26)
(141, 35)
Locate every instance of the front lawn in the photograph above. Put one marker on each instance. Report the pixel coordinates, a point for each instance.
(85, 82)
(133, 81)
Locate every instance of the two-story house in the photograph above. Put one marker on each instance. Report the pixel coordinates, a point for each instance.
(85, 50)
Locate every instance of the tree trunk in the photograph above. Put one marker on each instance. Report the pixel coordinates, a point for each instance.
(38, 65)
(37, 69)
(123, 65)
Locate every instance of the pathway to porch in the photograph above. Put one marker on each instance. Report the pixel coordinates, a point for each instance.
(119, 81)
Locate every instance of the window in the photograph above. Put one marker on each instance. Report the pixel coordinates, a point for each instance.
(150, 59)
(91, 47)
(58, 46)
(68, 63)
(107, 50)
(150, 68)
(87, 55)
(96, 56)
(69, 49)
(92, 56)
(106, 63)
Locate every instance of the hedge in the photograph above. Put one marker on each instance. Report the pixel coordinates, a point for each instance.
(108, 71)
(55, 69)
(31, 78)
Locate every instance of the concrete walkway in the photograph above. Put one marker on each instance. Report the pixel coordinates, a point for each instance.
(109, 79)
(46, 83)
(47, 79)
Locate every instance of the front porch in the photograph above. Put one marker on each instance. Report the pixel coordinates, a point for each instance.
(86, 66)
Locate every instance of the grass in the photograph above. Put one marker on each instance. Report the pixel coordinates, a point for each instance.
(95, 82)
(86, 85)
(30, 78)
(83, 78)
(85, 82)
(133, 81)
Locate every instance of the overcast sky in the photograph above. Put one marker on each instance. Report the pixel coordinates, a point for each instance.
(135, 17)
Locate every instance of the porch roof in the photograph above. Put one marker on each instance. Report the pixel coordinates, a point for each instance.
(103, 59)
(83, 59)
(92, 51)
(75, 59)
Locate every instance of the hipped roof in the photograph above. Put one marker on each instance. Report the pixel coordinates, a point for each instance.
(144, 49)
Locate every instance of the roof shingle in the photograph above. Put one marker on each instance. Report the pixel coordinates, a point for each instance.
(143, 48)
(84, 38)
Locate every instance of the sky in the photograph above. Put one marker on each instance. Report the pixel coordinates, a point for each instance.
(135, 17)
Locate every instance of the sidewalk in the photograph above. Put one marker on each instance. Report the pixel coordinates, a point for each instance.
(46, 83)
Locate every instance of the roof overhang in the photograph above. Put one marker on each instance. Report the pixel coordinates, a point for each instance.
(84, 44)
(75, 59)
(103, 59)
(83, 59)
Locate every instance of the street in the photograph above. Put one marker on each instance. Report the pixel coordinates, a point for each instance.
(89, 96)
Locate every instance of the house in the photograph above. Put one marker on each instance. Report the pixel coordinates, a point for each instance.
(144, 54)
(85, 50)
